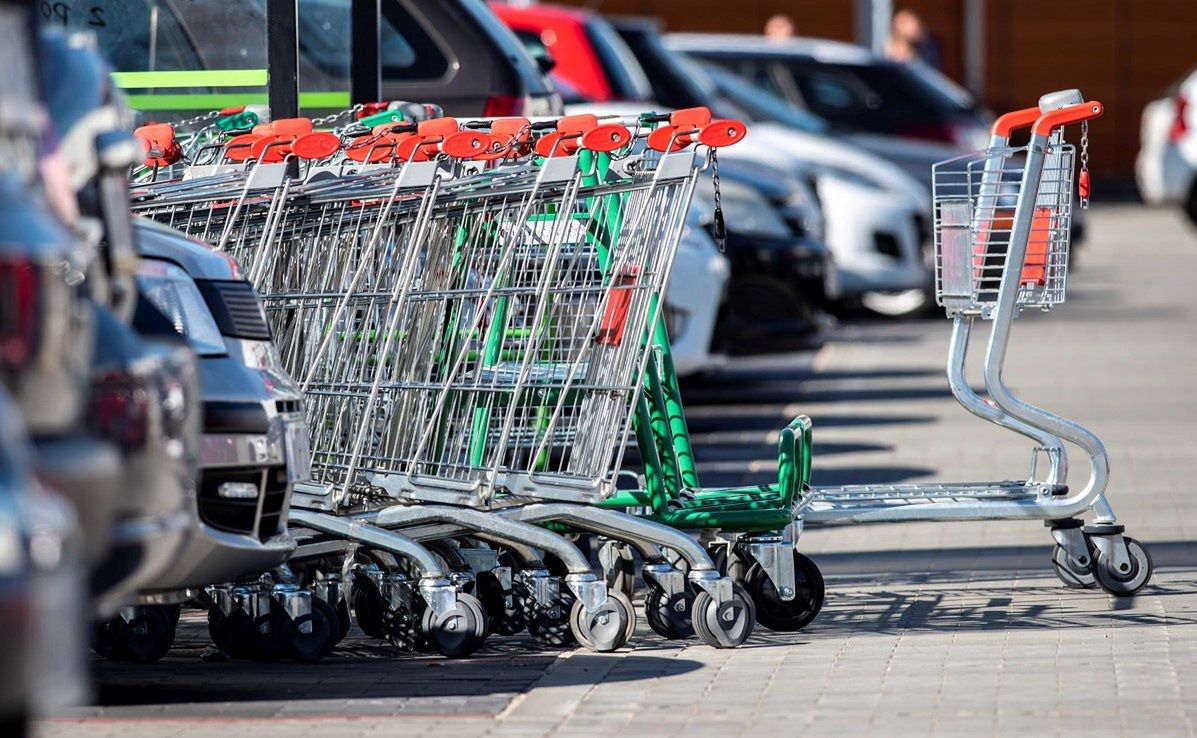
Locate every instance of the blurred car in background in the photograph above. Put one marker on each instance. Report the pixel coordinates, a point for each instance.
(585, 50)
(1166, 167)
(451, 52)
(42, 604)
(697, 291)
(143, 392)
(908, 114)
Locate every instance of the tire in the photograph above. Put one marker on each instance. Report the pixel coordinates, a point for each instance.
(727, 626)
(787, 616)
(1128, 583)
(148, 636)
(608, 629)
(230, 633)
(309, 638)
(458, 632)
(505, 616)
(670, 617)
(1190, 206)
(368, 608)
(1070, 573)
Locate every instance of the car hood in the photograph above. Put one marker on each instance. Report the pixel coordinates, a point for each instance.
(197, 258)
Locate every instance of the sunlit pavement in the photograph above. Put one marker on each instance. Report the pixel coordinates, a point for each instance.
(950, 629)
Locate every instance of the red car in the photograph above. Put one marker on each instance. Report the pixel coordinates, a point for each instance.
(589, 54)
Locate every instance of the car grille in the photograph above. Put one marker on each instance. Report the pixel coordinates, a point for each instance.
(236, 307)
(244, 516)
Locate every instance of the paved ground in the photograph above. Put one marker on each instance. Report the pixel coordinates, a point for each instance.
(929, 629)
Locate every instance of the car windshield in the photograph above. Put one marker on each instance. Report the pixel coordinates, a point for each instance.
(623, 72)
(762, 105)
(884, 96)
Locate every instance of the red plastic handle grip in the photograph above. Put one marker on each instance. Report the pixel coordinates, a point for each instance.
(1063, 116)
(1013, 121)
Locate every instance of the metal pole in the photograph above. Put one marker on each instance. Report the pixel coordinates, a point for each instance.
(365, 85)
(282, 58)
(873, 19)
(974, 47)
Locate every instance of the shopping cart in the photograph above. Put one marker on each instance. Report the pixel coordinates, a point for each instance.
(1002, 227)
(478, 342)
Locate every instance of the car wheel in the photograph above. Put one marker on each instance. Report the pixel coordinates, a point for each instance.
(1190, 206)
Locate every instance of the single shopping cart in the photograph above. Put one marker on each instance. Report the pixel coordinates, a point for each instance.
(1002, 227)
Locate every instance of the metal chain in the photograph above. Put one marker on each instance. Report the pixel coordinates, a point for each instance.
(1085, 162)
(720, 226)
(318, 122)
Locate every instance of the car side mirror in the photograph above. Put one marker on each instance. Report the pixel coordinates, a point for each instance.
(545, 61)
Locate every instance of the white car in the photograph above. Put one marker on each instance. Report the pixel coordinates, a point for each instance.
(696, 290)
(1166, 167)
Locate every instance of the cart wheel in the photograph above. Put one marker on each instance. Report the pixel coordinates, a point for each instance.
(368, 608)
(343, 621)
(265, 639)
(309, 638)
(609, 628)
(456, 633)
(669, 617)
(727, 625)
(105, 639)
(781, 615)
(1071, 573)
(621, 576)
(402, 627)
(506, 618)
(230, 633)
(147, 637)
(1124, 583)
(550, 625)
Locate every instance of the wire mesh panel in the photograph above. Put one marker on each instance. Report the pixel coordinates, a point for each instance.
(975, 203)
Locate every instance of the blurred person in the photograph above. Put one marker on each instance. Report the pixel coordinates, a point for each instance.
(780, 26)
(910, 40)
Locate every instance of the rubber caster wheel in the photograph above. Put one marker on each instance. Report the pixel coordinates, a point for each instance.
(309, 638)
(727, 625)
(105, 639)
(619, 567)
(343, 621)
(368, 608)
(1124, 583)
(669, 617)
(148, 636)
(501, 605)
(265, 640)
(1071, 573)
(787, 616)
(550, 625)
(230, 633)
(460, 631)
(609, 627)
(403, 629)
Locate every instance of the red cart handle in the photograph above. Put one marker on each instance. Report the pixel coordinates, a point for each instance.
(1013, 121)
(1064, 116)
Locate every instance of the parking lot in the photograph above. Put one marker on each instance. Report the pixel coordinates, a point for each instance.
(927, 629)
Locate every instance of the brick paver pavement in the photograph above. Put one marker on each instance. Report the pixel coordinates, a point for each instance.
(949, 629)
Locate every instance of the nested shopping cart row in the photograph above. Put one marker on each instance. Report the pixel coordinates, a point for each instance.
(474, 313)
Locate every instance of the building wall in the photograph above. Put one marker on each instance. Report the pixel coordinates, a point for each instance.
(1123, 52)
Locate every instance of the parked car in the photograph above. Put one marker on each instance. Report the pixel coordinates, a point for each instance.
(908, 114)
(585, 50)
(254, 442)
(1166, 167)
(875, 217)
(143, 393)
(450, 52)
(693, 302)
(42, 588)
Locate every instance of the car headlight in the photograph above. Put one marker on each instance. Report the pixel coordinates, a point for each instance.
(747, 212)
(173, 292)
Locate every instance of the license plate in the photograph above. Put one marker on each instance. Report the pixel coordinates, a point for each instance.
(299, 451)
